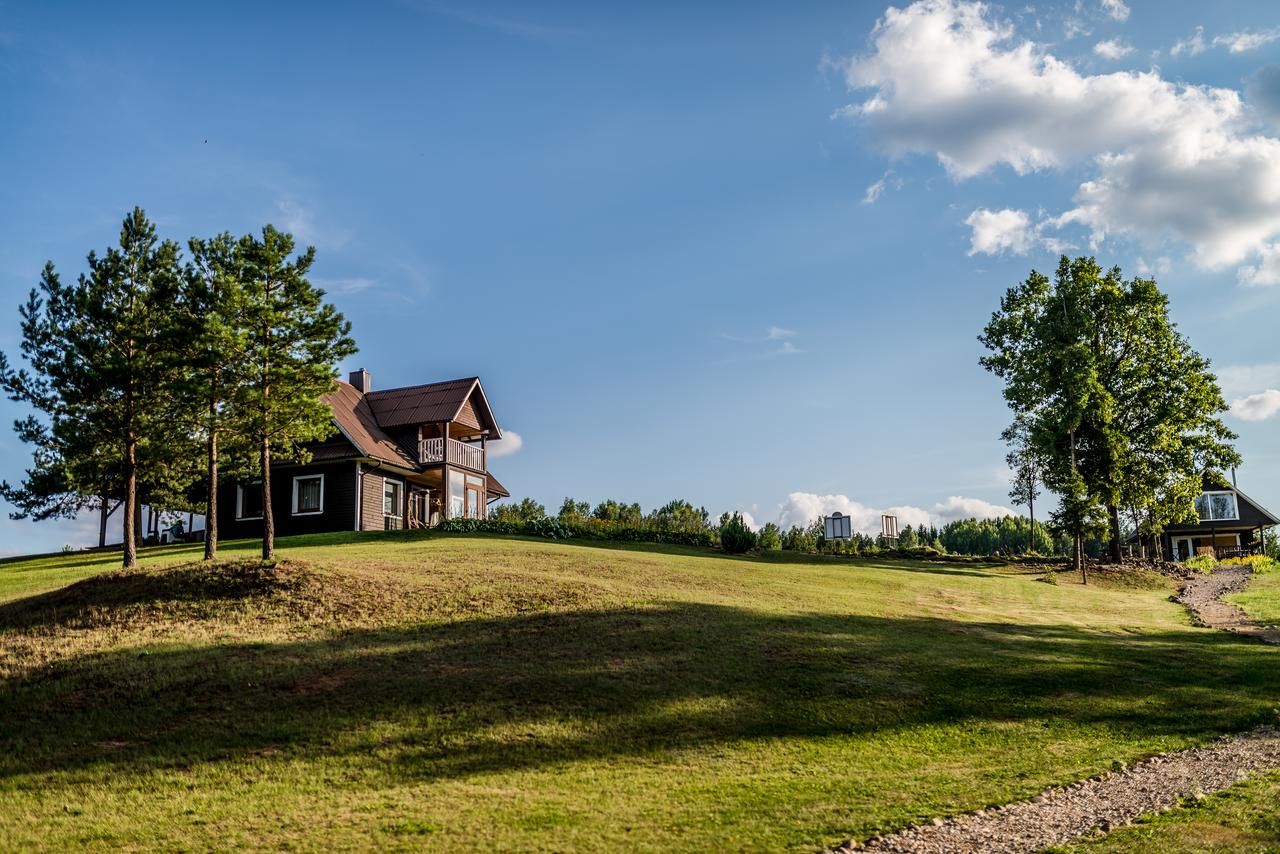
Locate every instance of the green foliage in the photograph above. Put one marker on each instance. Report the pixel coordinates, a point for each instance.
(295, 339)
(525, 511)
(616, 511)
(1271, 544)
(1114, 405)
(1050, 578)
(559, 528)
(735, 536)
(1201, 563)
(770, 537)
(1258, 563)
(571, 510)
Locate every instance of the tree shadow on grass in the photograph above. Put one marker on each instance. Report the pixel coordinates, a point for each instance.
(524, 692)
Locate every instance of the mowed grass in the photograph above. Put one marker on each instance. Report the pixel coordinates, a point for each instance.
(1262, 600)
(432, 692)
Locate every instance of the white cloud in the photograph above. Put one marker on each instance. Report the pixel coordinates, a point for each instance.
(1116, 9)
(1242, 380)
(1172, 161)
(1112, 49)
(1245, 40)
(510, 442)
(1191, 46)
(874, 190)
(995, 232)
(959, 507)
(1257, 407)
(801, 508)
(777, 333)
(1267, 269)
(1158, 267)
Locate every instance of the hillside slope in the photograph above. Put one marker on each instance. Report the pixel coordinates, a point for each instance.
(436, 692)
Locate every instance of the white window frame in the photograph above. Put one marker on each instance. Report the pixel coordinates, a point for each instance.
(240, 517)
(399, 485)
(295, 494)
(1235, 500)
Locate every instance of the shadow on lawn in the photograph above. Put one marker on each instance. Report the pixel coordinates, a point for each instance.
(496, 694)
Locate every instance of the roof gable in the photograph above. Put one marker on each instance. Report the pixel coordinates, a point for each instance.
(356, 421)
(432, 402)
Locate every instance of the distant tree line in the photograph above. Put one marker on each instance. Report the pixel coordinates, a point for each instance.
(154, 373)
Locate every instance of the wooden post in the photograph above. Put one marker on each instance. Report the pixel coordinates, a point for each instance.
(446, 492)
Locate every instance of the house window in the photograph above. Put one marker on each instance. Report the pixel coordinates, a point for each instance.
(457, 493)
(308, 495)
(391, 491)
(1217, 507)
(249, 500)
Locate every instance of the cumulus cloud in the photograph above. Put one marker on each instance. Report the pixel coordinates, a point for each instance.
(995, 232)
(1241, 380)
(1257, 407)
(1172, 161)
(510, 442)
(959, 507)
(1266, 271)
(1116, 9)
(1112, 49)
(1245, 40)
(801, 508)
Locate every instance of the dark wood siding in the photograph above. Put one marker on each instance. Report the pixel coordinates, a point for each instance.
(371, 515)
(339, 512)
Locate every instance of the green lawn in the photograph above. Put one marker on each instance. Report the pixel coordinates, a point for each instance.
(1262, 600)
(407, 691)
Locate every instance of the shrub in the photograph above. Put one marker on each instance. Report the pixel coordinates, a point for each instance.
(1201, 563)
(735, 537)
(1259, 563)
(770, 538)
(554, 528)
(1050, 578)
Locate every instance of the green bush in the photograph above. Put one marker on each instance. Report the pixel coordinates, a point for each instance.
(735, 537)
(1259, 563)
(554, 528)
(1201, 563)
(770, 538)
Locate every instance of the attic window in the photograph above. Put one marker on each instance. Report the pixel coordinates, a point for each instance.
(1217, 507)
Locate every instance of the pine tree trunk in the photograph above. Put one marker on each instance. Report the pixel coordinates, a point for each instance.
(1114, 512)
(1031, 506)
(268, 519)
(211, 503)
(131, 506)
(103, 512)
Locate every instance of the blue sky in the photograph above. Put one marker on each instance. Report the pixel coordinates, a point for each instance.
(655, 230)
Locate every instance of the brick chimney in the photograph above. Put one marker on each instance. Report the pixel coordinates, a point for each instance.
(362, 380)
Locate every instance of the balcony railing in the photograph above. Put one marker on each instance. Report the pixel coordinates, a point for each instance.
(459, 453)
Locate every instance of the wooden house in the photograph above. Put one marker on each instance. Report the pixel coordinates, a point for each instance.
(398, 458)
(1231, 523)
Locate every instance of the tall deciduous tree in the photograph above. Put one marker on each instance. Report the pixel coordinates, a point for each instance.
(1117, 404)
(1026, 470)
(294, 341)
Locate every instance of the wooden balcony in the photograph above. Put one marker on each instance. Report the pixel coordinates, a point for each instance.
(459, 453)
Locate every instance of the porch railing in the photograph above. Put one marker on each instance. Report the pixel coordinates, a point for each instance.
(459, 453)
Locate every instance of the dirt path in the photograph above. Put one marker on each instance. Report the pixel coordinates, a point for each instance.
(1100, 803)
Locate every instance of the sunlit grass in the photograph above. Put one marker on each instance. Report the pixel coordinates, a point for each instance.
(410, 691)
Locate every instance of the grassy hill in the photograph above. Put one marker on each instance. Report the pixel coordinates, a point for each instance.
(410, 691)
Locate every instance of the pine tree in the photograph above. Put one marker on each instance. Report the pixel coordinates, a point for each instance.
(295, 340)
(212, 313)
(99, 374)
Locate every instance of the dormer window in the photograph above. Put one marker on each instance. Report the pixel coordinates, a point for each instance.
(1217, 507)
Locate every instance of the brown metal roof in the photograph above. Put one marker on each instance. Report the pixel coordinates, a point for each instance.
(355, 419)
(420, 404)
(496, 489)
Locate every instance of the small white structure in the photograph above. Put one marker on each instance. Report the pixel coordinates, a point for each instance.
(889, 528)
(837, 527)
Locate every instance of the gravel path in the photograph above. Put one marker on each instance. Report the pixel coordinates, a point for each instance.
(1202, 595)
(1113, 799)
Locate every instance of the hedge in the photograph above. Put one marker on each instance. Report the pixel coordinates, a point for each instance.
(593, 529)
